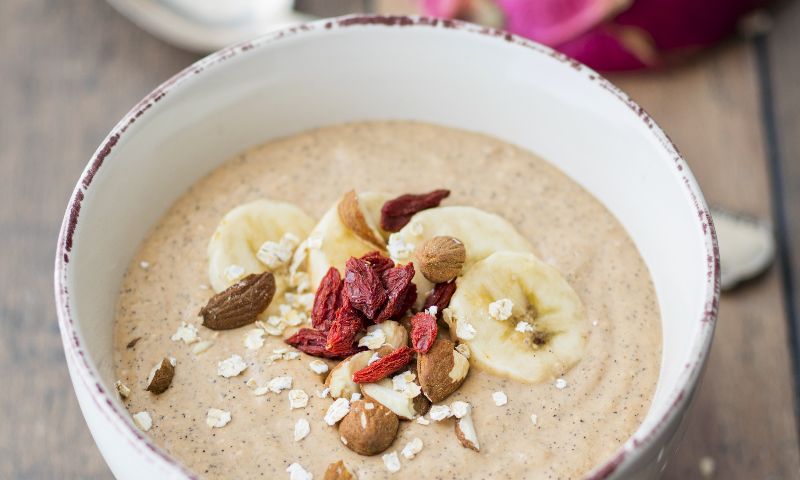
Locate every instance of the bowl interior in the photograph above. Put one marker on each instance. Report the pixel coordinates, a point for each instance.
(513, 90)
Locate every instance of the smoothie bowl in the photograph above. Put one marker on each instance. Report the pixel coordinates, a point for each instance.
(377, 247)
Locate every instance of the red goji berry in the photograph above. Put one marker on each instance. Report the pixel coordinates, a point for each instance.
(384, 366)
(363, 288)
(327, 300)
(312, 342)
(423, 331)
(440, 296)
(378, 262)
(396, 213)
(344, 330)
(400, 289)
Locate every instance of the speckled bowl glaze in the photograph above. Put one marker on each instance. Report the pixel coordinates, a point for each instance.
(366, 67)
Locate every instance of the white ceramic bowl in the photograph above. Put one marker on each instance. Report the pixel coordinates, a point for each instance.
(357, 68)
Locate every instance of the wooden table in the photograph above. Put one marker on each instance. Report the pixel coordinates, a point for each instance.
(70, 69)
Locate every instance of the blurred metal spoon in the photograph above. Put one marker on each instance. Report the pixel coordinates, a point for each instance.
(746, 246)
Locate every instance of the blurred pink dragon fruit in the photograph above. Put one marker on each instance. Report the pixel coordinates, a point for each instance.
(608, 34)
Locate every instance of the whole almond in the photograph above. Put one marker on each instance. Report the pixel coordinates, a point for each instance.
(352, 216)
(368, 428)
(160, 377)
(440, 259)
(241, 303)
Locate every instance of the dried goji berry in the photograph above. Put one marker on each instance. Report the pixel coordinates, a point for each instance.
(363, 288)
(344, 330)
(378, 262)
(396, 213)
(440, 296)
(423, 331)
(384, 366)
(313, 342)
(327, 300)
(400, 289)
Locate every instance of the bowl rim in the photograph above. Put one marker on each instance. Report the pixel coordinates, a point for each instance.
(85, 370)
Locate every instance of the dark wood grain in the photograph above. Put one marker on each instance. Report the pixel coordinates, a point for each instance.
(77, 66)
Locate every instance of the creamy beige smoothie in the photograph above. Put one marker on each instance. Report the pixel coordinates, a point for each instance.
(545, 430)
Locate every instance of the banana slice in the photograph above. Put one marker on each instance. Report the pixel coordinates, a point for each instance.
(519, 316)
(481, 232)
(233, 251)
(331, 242)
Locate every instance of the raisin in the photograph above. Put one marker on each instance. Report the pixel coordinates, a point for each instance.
(396, 213)
(401, 291)
(312, 342)
(440, 296)
(327, 300)
(384, 366)
(344, 330)
(378, 262)
(363, 288)
(423, 331)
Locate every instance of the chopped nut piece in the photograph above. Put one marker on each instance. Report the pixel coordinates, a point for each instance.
(143, 420)
(352, 216)
(301, 429)
(412, 448)
(460, 409)
(297, 399)
(216, 418)
(440, 412)
(160, 376)
(383, 393)
(368, 431)
(337, 411)
(340, 379)
(201, 347)
(442, 370)
(231, 367)
(391, 461)
(122, 389)
(297, 472)
(374, 339)
(186, 333)
(423, 421)
(324, 393)
(501, 310)
(465, 432)
(463, 349)
(499, 398)
(318, 366)
(338, 471)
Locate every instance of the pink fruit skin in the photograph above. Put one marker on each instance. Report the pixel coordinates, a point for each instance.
(613, 35)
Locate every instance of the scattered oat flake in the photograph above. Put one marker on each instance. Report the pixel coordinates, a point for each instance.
(460, 409)
(280, 383)
(391, 461)
(440, 412)
(201, 347)
(465, 330)
(231, 367)
(234, 272)
(524, 327)
(423, 421)
(432, 310)
(291, 355)
(260, 391)
(412, 448)
(499, 398)
(122, 389)
(324, 393)
(276, 255)
(216, 418)
(280, 351)
(318, 366)
(706, 467)
(561, 383)
(398, 248)
(297, 399)
(186, 333)
(144, 265)
(501, 310)
(254, 339)
(297, 472)
(301, 429)
(143, 420)
(337, 411)
(534, 418)
(355, 397)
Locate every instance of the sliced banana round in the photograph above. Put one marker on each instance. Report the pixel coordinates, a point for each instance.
(234, 248)
(481, 232)
(543, 335)
(331, 242)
